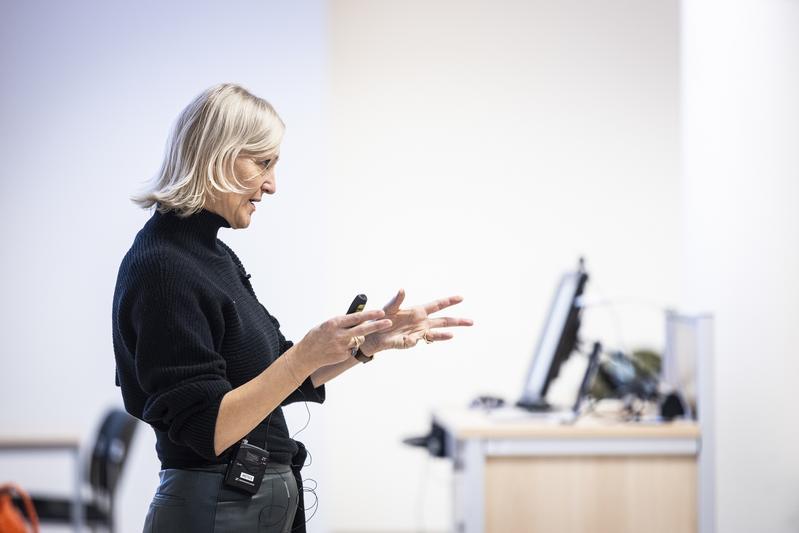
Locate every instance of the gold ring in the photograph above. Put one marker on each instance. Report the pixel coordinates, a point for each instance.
(424, 336)
(357, 341)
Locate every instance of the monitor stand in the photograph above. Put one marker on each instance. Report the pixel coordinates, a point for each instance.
(537, 406)
(540, 405)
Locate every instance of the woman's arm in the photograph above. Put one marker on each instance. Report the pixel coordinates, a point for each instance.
(328, 344)
(322, 375)
(323, 354)
(246, 406)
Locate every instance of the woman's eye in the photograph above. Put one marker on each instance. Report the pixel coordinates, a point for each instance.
(265, 163)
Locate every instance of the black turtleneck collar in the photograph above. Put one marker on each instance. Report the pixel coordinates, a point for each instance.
(202, 226)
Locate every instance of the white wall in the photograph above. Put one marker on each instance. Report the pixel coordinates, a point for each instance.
(89, 92)
(740, 70)
(479, 148)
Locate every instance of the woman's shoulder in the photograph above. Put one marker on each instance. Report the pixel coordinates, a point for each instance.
(151, 263)
(149, 253)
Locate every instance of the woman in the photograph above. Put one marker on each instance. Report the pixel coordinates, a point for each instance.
(200, 359)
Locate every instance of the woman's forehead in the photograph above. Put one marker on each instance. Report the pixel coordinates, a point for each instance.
(272, 154)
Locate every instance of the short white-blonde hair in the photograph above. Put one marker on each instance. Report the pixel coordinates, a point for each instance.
(222, 123)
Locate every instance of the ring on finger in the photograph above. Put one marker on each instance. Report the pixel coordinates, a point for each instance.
(357, 341)
(424, 336)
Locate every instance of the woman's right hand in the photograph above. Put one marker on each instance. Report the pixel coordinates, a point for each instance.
(332, 341)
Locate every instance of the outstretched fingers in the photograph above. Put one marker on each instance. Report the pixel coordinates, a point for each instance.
(348, 321)
(367, 328)
(433, 335)
(393, 306)
(450, 322)
(443, 303)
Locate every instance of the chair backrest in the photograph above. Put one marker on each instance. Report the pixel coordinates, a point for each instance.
(110, 451)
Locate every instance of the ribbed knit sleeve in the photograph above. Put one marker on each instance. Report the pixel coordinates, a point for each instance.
(177, 362)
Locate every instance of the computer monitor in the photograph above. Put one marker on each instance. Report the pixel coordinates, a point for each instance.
(557, 341)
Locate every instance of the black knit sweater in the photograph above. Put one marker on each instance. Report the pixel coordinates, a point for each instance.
(187, 328)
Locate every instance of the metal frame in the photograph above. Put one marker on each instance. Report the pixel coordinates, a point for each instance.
(28, 445)
(705, 411)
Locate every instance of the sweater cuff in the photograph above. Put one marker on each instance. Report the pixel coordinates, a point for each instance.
(306, 392)
(196, 428)
(311, 393)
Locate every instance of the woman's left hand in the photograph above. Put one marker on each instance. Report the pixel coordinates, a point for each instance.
(411, 325)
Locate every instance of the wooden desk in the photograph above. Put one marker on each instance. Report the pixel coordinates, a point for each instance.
(527, 475)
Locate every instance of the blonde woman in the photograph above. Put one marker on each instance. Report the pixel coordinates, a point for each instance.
(200, 359)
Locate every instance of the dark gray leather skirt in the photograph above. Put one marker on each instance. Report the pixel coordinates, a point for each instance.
(196, 500)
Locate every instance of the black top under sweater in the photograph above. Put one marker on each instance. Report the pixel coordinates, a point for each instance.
(187, 328)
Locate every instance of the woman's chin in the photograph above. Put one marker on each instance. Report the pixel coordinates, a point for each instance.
(243, 221)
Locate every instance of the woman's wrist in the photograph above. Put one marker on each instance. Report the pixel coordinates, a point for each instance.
(368, 349)
(362, 357)
(298, 368)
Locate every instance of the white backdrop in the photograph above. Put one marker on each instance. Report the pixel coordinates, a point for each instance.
(481, 147)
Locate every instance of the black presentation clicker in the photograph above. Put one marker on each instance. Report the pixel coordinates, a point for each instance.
(357, 305)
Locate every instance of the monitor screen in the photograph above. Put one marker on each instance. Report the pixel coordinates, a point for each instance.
(557, 341)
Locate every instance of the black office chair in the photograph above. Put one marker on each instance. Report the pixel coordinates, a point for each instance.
(104, 469)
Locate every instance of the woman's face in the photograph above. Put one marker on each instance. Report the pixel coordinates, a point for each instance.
(258, 178)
